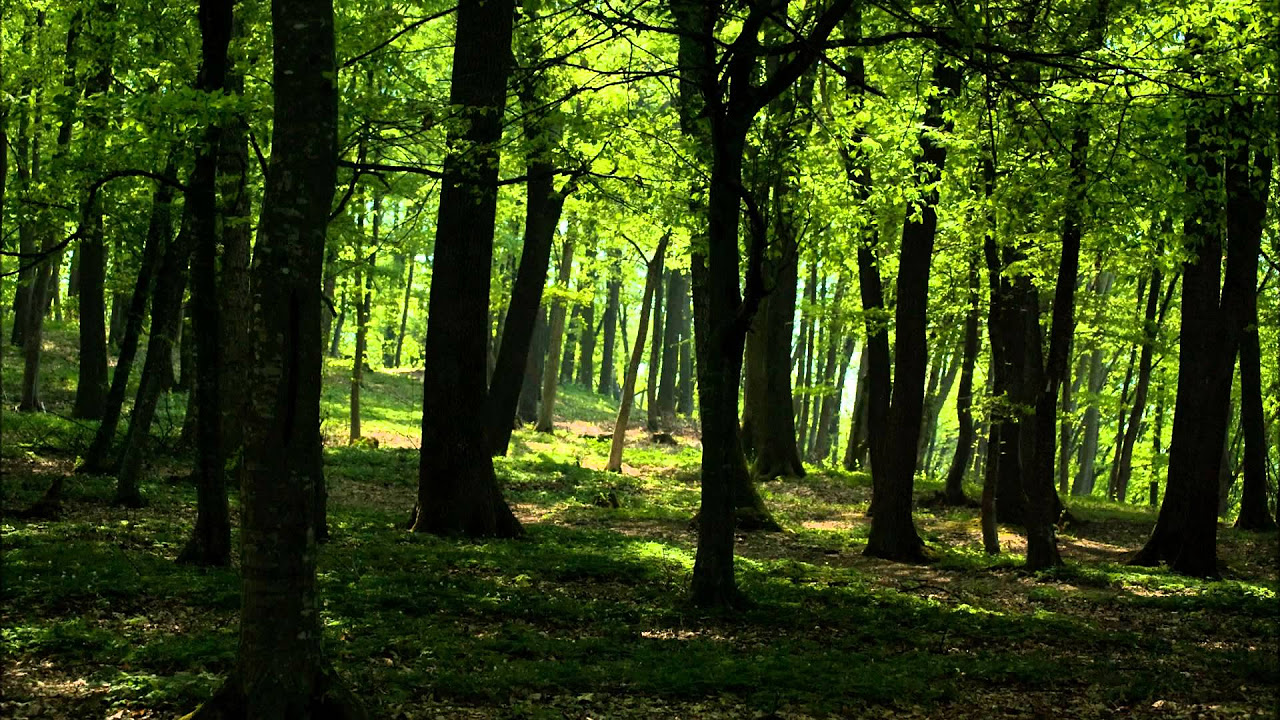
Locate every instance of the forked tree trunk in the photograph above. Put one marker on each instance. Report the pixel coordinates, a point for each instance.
(655, 359)
(458, 493)
(653, 281)
(671, 348)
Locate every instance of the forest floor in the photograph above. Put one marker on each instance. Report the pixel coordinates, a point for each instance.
(586, 616)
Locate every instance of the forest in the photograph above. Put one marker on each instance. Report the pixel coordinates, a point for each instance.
(639, 359)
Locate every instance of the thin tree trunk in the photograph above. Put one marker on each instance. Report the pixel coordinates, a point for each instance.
(1253, 495)
(159, 233)
(684, 404)
(653, 281)
(404, 311)
(671, 348)
(953, 491)
(608, 384)
(551, 372)
(655, 358)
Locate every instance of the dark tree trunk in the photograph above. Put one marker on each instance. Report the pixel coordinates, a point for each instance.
(684, 403)
(159, 232)
(608, 385)
(1212, 323)
(91, 385)
(652, 423)
(210, 542)
(857, 449)
(458, 493)
(825, 403)
(769, 425)
(1083, 485)
(1043, 505)
(1253, 496)
(1150, 327)
(808, 338)
(364, 292)
(556, 343)
(833, 421)
(569, 343)
(671, 348)
(335, 342)
(330, 300)
(166, 316)
(410, 261)
(280, 670)
(895, 429)
(520, 351)
(186, 353)
(235, 298)
(587, 335)
(531, 388)
(953, 491)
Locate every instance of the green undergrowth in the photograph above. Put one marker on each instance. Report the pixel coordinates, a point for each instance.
(591, 605)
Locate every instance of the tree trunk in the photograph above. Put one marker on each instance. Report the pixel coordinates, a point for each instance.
(210, 542)
(855, 452)
(671, 348)
(1253, 496)
(684, 403)
(458, 493)
(587, 336)
(608, 385)
(572, 329)
(235, 296)
(531, 388)
(1124, 468)
(551, 372)
(1083, 485)
(335, 342)
(953, 491)
(895, 429)
(653, 281)
(655, 359)
(1212, 323)
(520, 351)
(159, 233)
(410, 261)
(166, 317)
(280, 669)
(826, 402)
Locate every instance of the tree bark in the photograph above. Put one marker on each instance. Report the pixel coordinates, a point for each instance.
(410, 261)
(531, 387)
(684, 403)
(655, 359)
(1124, 467)
(551, 372)
(895, 429)
(520, 351)
(280, 669)
(159, 232)
(653, 281)
(953, 491)
(671, 348)
(1083, 485)
(608, 385)
(1213, 318)
(91, 384)
(458, 493)
(1253, 496)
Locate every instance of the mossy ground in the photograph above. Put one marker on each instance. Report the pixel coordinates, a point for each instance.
(587, 617)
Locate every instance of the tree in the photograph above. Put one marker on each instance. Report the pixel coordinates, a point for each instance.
(1213, 317)
(653, 281)
(457, 490)
(280, 670)
(559, 309)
